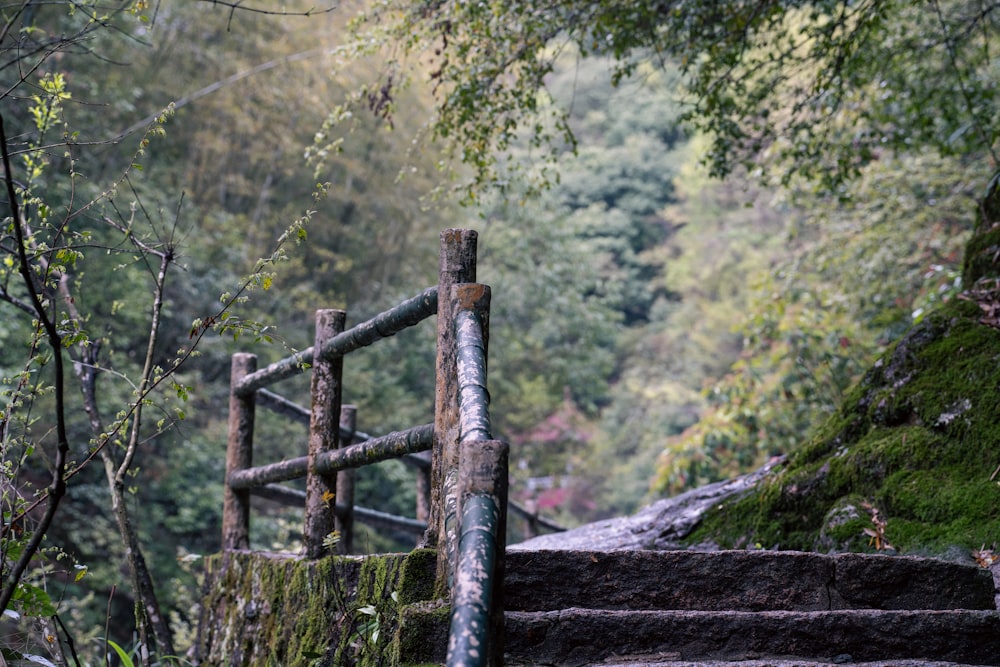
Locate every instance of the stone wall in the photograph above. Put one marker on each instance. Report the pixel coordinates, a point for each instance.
(267, 609)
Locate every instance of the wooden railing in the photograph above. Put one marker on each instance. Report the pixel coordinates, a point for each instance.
(461, 485)
(335, 447)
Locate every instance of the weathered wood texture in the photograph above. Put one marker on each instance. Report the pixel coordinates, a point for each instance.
(398, 444)
(298, 413)
(390, 446)
(422, 463)
(470, 303)
(407, 314)
(365, 515)
(457, 264)
(477, 624)
(239, 456)
(324, 434)
(344, 521)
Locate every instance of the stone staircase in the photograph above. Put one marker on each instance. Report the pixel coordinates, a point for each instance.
(748, 608)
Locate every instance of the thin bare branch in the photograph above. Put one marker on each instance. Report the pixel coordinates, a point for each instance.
(57, 488)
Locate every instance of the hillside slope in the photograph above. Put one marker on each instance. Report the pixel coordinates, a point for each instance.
(911, 461)
(911, 456)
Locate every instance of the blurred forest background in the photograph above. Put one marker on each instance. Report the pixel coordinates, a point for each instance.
(653, 329)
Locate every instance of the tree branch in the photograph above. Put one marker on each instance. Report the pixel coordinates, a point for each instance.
(57, 489)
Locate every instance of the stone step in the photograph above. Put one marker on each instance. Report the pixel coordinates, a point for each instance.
(740, 581)
(640, 662)
(578, 637)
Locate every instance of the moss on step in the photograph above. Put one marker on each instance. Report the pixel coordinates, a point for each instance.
(422, 635)
(264, 609)
(918, 438)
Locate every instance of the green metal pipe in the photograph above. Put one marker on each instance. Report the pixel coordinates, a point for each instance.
(473, 397)
(469, 635)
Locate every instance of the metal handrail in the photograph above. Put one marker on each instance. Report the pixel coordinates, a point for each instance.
(475, 635)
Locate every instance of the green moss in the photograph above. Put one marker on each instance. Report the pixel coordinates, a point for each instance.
(983, 249)
(916, 438)
(416, 579)
(422, 634)
(262, 609)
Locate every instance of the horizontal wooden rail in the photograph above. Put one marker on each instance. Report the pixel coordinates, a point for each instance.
(280, 494)
(534, 517)
(378, 519)
(280, 405)
(390, 446)
(282, 471)
(368, 516)
(475, 636)
(407, 314)
(474, 399)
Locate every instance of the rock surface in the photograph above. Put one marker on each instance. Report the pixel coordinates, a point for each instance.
(744, 581)
(578, 637)
(661, 526)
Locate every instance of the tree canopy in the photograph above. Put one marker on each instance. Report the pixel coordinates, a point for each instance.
(813, 88)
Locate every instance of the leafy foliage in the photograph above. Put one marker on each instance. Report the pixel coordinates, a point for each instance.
(864, 268)
(825, 87)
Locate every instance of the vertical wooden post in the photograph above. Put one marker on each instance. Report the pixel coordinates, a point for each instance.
(239, 456)
(531, 521)
(324, 434)
(457, 264)
(424, 488)
(344, 522)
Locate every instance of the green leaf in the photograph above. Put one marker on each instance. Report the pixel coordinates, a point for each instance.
(35, 600)
(122, 655)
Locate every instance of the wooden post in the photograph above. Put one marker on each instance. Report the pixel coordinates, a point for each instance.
(423, 509)
(531, 520)
(239, 456)
(344, 522)
(324, 435)
(457, 264)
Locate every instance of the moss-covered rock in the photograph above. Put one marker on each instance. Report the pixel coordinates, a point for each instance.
(982, 253)
(915, 447)
(422, 635)
(912, 459)
(264, 609)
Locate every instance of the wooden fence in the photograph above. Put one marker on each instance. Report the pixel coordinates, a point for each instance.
(461, 485)
(335, 447)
